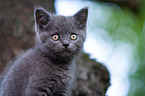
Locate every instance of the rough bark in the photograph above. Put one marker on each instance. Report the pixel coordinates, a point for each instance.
(17, 26)
(93, 79)
(17, 34)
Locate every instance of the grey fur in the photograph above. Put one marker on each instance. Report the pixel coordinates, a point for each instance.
(48, 69)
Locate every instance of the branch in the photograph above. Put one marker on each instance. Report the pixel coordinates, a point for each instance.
(133, 5)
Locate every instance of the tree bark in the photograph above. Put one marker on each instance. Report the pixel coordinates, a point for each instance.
(17, 26)
(17, 34)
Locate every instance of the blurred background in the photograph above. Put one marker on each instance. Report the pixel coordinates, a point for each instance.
(115, 36)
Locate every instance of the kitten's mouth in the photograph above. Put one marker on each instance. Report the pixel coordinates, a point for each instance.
(66, 52)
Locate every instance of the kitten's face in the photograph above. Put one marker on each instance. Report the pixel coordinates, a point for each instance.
(58, 35)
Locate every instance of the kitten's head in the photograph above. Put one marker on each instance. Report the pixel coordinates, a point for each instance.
(60, 36)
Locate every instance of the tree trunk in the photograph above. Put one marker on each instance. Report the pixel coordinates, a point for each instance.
(17, 27)
(17, 34)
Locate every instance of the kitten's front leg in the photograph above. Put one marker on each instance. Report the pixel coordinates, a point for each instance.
(38, 91)
(45, 92)
(35, 88)
(49, 88)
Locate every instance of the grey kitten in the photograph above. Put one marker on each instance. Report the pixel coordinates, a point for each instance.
(48, 69)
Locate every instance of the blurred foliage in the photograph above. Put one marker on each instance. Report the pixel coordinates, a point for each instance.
(126, 26)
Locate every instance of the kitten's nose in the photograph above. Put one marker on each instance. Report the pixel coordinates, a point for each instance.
(66, 45)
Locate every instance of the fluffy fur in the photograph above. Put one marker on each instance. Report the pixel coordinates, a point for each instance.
(47, 69)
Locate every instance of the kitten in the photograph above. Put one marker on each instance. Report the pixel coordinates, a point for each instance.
(48, 69)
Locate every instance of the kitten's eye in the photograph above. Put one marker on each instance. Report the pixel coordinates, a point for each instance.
(55, 37)
(73, 37)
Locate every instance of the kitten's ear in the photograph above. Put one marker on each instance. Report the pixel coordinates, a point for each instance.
(42, 18)
(81, 17)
